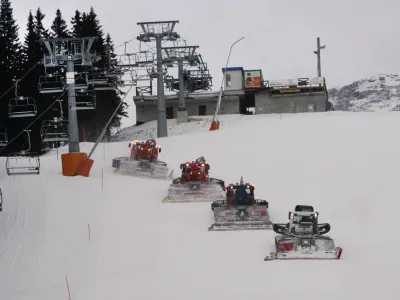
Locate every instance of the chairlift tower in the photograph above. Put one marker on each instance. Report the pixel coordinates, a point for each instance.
(159, 31)
(181, 55)
(70, 52)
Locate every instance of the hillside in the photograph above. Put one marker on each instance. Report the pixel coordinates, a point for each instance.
(141, 248)
(378, 93)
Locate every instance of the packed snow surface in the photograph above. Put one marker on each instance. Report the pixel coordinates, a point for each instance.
(344, 164)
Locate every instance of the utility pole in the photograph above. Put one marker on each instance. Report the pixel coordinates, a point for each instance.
(159, 31)
(73, 51)
(181, 55)
(318, 52)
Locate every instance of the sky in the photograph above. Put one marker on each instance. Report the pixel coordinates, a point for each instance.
(361, 36)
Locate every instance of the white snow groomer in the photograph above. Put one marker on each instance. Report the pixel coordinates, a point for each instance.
(195, 185)
(143, 161)
(302, 237)
(240, 210)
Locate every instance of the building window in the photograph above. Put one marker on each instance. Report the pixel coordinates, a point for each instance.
(202, 110)
(170, 112)
(228, 79)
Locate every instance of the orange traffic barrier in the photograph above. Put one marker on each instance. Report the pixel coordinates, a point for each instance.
(85, 167)
(71, 162)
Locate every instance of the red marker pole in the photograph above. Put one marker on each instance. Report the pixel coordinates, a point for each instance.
(69, 294)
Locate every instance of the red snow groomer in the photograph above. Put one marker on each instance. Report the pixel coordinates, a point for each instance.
(143, 160)
(146, 151)
(303, 237)
(194, 184)
(241, 210)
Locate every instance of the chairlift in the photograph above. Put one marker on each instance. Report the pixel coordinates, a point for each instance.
(23, 162)
(110, 84)
(144, 58)
(152, 71)
(128, 60)
(55, 130)
(51, 84)
(21, 107)
(85, 99)
(81, 81)
(97, 78)
(115, 73)
(3, 136)
(106, 87)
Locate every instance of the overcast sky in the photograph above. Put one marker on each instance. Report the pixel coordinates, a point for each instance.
(361, 36)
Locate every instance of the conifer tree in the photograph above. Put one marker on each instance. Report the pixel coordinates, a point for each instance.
(30, 46)
(91, 27)
(40, 30)
(59, 27)
(10, 54)
(76, 22)
(111, 64)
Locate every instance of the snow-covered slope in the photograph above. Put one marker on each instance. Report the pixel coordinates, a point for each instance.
(376, 93)
(345, 164)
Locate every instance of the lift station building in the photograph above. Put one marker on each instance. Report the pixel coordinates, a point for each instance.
(245, 92)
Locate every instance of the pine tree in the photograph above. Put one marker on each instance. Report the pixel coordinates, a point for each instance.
(30, 44)
(76, 22)
(40, 30)
(10, 58)
(111, 64)
(91, 27)
(59, 27)
(10, 54)
(33, 54)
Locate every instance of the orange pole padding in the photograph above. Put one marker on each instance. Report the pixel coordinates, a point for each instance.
(214, 126)
(71, 161)
(85, 167)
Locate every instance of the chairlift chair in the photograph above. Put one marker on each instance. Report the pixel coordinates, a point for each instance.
(81, 81)
(3, 136)
(106, 87)
(116, 73)
(21, 107)
(85, 99)
(23, 162)
(110, 85)
(144, 58)
(51, 84)
(97, 79)
(55, 130)
(152, 71)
